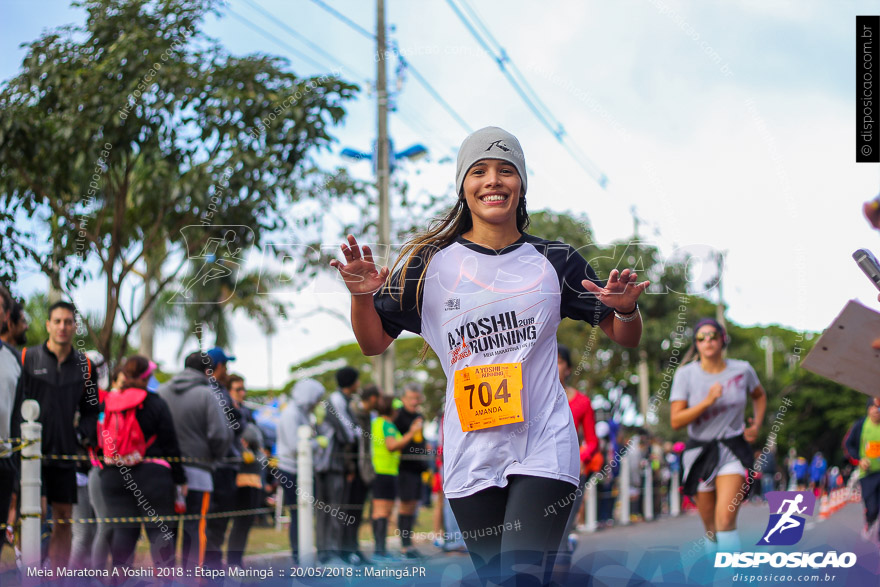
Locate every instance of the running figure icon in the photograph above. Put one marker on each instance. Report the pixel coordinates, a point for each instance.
(215, 266)
(786, 522)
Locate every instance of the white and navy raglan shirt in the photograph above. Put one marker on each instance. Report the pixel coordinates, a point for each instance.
(479, 307)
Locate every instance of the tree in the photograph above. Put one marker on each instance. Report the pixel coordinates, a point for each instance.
(117, 135)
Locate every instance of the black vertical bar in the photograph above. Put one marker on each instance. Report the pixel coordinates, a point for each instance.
(867, 88)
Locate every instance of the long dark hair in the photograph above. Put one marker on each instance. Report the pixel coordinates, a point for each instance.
(441, 232)
(133, 368)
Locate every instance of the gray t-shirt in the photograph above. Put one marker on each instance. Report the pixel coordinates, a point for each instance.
(725, 418)
(10, 370)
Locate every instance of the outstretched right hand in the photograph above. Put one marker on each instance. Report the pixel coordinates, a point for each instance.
(359, 270)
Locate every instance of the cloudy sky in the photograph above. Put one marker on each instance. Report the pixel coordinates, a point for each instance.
(727, 126)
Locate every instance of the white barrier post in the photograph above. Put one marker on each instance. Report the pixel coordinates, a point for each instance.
(623, 493)
(279, 508)
(31, 455)
(306, 489)
(591, 506)
(674, 497)
(648, 494)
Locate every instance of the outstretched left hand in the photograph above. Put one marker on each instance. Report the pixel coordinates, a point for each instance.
(621, 291)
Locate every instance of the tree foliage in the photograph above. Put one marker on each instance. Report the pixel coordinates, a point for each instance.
(119, 133)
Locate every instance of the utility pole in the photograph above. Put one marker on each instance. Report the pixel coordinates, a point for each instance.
(632, 210)
(719, 309)
(643, 371)
(384, 363)
(644, 388)
(768, 345)
(270, 386)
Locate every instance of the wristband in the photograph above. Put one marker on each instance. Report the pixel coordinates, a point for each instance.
(629, 316)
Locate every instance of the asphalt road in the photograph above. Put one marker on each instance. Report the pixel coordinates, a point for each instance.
(666, 551)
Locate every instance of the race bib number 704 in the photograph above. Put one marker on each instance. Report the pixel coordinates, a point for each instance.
(489, 395)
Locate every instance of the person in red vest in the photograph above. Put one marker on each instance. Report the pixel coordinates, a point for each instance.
(136, 478)
(585, 425)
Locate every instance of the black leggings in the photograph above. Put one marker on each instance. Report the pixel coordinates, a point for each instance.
(513, 533)
(247, 498)
(145, 490)
(871, 496)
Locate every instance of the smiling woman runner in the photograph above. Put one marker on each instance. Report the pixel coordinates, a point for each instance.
(487, 297)
(709, 396)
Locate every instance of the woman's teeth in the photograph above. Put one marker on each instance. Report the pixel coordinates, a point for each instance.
(494, 198)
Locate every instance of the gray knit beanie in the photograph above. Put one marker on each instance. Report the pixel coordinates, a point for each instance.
(490, 143)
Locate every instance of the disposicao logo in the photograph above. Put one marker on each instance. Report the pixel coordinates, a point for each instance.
(785, 528)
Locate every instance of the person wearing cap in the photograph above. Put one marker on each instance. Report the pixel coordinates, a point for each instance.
(224, 497)
(862, 447)
(484, 293)
(709, 396)
(204, 434)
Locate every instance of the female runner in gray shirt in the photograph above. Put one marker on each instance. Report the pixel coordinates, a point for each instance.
(709, 396)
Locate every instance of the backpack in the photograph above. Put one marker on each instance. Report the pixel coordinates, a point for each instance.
(119, 434)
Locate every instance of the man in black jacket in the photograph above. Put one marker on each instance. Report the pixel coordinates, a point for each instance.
(61, 380)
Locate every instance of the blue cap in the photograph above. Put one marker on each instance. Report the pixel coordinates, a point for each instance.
(218, 356)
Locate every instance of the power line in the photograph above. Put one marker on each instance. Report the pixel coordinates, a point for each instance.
(302, 38)
(345, 19)
(513, 68)
(436, 95)
(296, 34)
(278, 41)
(419, 77)
(525, 91)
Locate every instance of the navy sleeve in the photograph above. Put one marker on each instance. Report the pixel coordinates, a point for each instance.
(577, 303)
(399, 303)
(853, 440)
